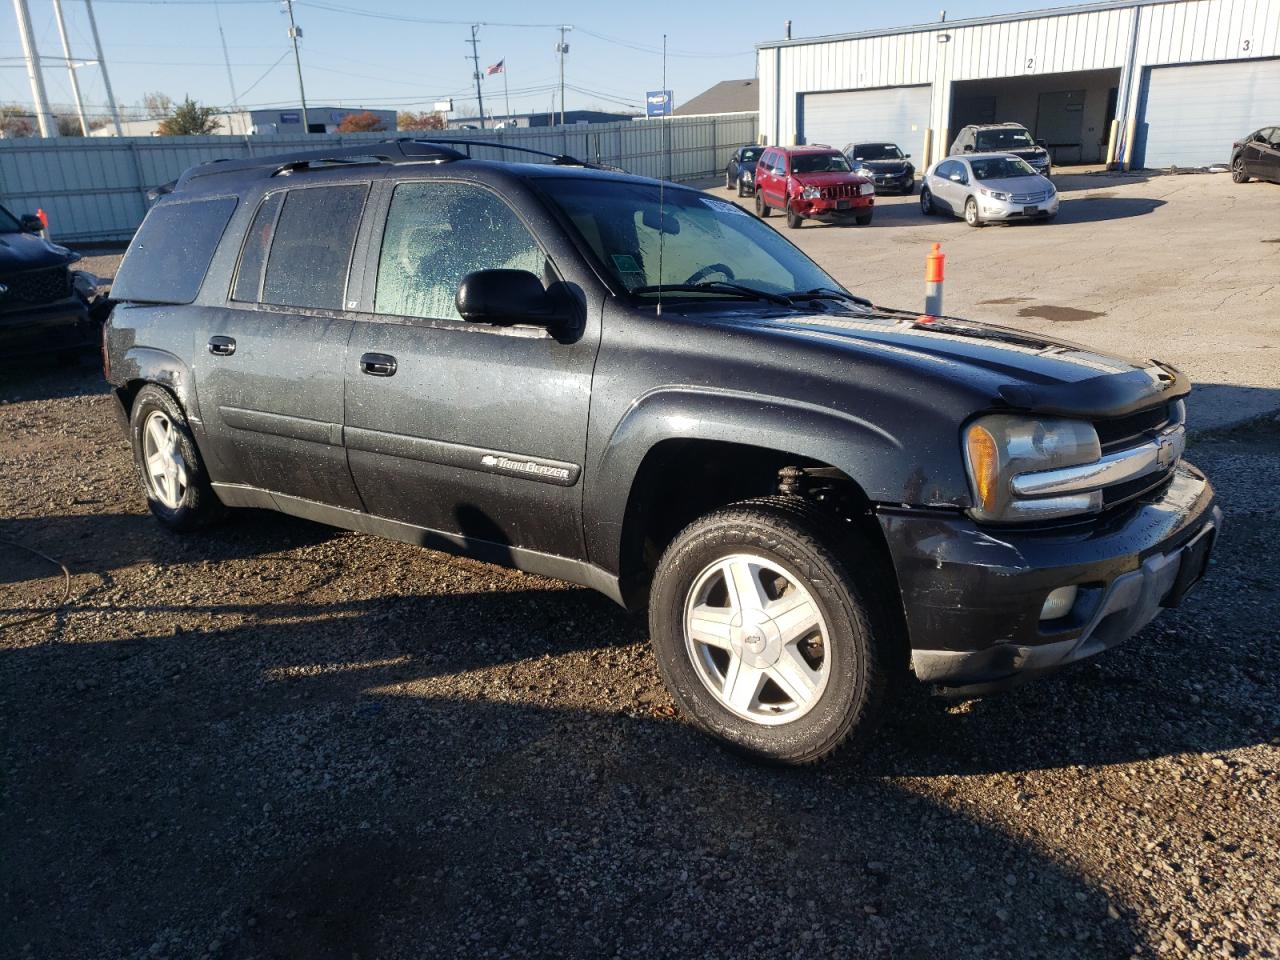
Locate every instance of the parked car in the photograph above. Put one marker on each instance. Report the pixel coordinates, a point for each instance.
(43, 309)
(1257, 155)
(638, 387)
(812, 183)
(986, 187)
(884, 164)
(1011, 138)
(740, 174)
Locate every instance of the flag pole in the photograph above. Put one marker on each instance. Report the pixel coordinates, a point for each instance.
(506, 96)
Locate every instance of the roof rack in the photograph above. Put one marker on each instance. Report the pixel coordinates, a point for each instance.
(560, 159)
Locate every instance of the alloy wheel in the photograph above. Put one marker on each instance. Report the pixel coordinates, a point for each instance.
(165, 467)
(757, 639)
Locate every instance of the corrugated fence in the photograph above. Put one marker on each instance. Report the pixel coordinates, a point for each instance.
(94, 189)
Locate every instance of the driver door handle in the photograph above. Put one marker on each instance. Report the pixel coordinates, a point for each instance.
(378, 364)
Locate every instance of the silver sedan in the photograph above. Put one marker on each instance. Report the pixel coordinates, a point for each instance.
(986, 187)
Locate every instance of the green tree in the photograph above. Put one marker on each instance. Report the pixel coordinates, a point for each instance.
(189, 119)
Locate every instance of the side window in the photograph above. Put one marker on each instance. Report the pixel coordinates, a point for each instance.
(436, 234)
(254, 255)
(311, 250)
(171, 252)
(944, 169)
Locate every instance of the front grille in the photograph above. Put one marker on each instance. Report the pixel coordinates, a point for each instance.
(1124, 492)
(840, 191)
(34, 287)
(1119, 432)
(1029, 197)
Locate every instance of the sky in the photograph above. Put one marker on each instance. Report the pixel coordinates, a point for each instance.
(405, 55)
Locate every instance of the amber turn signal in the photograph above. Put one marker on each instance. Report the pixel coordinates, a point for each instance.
(984, 462)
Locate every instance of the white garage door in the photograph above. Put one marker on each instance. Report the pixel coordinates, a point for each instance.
(1193, 114)
(893, 114)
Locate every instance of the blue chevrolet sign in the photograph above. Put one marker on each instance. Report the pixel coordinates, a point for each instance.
(658, 103)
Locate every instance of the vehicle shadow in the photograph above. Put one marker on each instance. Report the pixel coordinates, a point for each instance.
(430, 779)
(1100, 206)
(51, 376)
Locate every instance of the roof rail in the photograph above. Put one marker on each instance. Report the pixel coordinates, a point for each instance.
(556, 158)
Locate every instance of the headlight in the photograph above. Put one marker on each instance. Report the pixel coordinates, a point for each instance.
(748, 175)
(994, 194)
(866, 189)
(864, 172)
(810, 193)
(1001, 446)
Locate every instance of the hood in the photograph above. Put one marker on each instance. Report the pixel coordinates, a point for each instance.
(1019, 185)
(828, 178)
(26, 251)
(1013, 369)
(883, 166)
(1027, 153)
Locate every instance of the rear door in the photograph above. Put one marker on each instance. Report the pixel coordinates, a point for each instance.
(468, 429)
(270, 362)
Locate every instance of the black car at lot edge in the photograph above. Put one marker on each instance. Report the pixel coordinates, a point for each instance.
(644, 389)
(740, 174)
(884, 163)
(40, 308)
(1257, 155)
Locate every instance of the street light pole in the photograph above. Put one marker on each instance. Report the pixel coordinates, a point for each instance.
(294, 35)
(44, 116)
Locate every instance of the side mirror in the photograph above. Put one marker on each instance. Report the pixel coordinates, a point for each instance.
(4, 291)
(906, 156)
(958, 177)
(1043, 143)
(504, 297)
(30, 223)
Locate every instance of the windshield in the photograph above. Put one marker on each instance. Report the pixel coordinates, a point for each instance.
(703, 239)
(752, 154)
(1011, 138)
(819, 163)
(8, 222)
(876, 151)
(1000, 168)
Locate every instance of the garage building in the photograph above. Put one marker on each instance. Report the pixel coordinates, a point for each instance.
(1133, 83)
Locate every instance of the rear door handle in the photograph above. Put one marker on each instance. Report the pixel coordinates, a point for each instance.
(378, 364)
(222, 346)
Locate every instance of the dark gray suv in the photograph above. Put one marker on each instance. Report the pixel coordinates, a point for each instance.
(642, 388)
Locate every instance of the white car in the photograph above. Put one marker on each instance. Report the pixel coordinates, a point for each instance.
(985, 187)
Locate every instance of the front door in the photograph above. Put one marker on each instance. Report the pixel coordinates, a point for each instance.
(269, 366)
(467, 429)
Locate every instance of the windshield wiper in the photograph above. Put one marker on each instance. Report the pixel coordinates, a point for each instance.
(828, 293)
(716, 286)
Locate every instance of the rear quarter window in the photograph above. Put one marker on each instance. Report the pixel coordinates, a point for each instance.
(170, 254)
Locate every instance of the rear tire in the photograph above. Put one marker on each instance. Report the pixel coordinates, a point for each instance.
(718, 588)
(793, 219)
(762, 208)
(169, 467)
(971, 215)
(863, 221)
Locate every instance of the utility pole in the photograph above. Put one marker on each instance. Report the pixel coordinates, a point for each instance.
(295, 34)
(102, 66)
(226, 57)
(48, 125)
(562, 48)
(71, 66)
(475, 61)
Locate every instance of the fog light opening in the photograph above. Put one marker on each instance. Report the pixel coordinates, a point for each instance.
(1059, 603)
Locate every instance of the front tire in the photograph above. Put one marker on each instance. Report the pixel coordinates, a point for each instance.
(971, 215)
(728, 179)
(863, 221)
(763, 637)
(793, 219)
(926, 202)
(168, 464)
(1237, 171)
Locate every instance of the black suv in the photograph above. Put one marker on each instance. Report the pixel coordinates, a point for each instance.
(813, 496)
(40, 307)
(1011, 138)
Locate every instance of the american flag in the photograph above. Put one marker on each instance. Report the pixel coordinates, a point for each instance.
(495, 67)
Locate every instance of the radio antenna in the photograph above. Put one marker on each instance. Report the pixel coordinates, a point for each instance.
(662, 181)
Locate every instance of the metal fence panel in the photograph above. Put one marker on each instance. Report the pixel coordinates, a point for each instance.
(94, 188)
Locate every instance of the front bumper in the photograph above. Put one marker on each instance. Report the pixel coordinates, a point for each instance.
(972, 595)
(893, 181)
(64, 325)
(1009, 210)
(824, 209)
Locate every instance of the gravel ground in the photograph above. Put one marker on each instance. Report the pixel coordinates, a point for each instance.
(281, 740)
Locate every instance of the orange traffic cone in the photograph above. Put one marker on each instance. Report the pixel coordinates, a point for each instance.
(933, 281)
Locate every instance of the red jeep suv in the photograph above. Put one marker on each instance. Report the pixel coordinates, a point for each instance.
(812, 183)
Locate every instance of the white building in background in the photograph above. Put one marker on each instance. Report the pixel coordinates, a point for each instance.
(1181, 79)
(254, 122)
